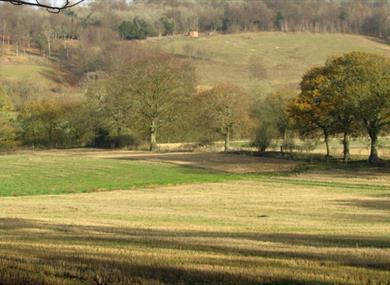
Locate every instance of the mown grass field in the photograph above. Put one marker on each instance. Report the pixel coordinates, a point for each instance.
(324, 225)
(36, 174)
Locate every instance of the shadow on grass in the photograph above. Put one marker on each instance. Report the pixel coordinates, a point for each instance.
(221, 162)
(267, 163)
(324, 241)
(229, 249)
(372, 204)
(320, 159)
(104, 272)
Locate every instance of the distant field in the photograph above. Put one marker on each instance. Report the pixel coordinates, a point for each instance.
(359, 147)
(286, 56)
(85, 171)
(323, 225)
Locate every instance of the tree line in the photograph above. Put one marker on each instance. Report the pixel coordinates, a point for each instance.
(350, 96)
(154, 98)
(347, 97)
(24, 27)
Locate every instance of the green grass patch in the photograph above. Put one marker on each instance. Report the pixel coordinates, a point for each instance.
(40, 175)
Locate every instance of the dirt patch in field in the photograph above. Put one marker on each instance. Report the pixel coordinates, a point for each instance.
(219, 161)
(233, 163)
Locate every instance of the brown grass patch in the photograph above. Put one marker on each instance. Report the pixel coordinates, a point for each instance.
(226, 233)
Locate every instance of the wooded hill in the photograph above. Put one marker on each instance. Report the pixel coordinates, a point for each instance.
(143, 18)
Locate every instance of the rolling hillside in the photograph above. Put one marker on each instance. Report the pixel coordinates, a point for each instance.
(35, 74)
(283, 58)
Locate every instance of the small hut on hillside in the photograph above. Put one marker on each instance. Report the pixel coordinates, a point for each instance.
(193, 34)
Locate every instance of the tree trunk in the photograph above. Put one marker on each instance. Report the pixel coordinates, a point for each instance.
(283, 144)
(4, 31)
(374, 147)
(153, 136)
(326, 139)
(346, 151)
(227, 139)
(49, 46)
(50, 137)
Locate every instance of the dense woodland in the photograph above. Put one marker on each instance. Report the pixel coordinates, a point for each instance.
(131, 94)
(139, 19)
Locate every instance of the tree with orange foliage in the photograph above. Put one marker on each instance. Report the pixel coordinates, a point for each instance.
(309, 111)
(348, 95)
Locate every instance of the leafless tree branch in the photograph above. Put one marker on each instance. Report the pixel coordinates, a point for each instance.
(50, 7)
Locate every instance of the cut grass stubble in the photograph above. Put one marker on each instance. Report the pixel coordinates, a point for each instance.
(303, 228)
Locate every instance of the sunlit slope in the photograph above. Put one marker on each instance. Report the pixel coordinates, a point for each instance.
(219, 58)
(39, 75)
(285, 56)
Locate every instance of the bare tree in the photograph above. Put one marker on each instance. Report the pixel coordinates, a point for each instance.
(161, 87)
(224, 109)
(51, 6)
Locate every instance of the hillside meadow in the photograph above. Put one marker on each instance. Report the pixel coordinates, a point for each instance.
(175, 219)
(217, 58)
(284, 56)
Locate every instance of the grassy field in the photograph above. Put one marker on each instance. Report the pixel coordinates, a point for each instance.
(324, 225)
(42, 174)
(220, 58)
(285, 56)
(94, 217)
